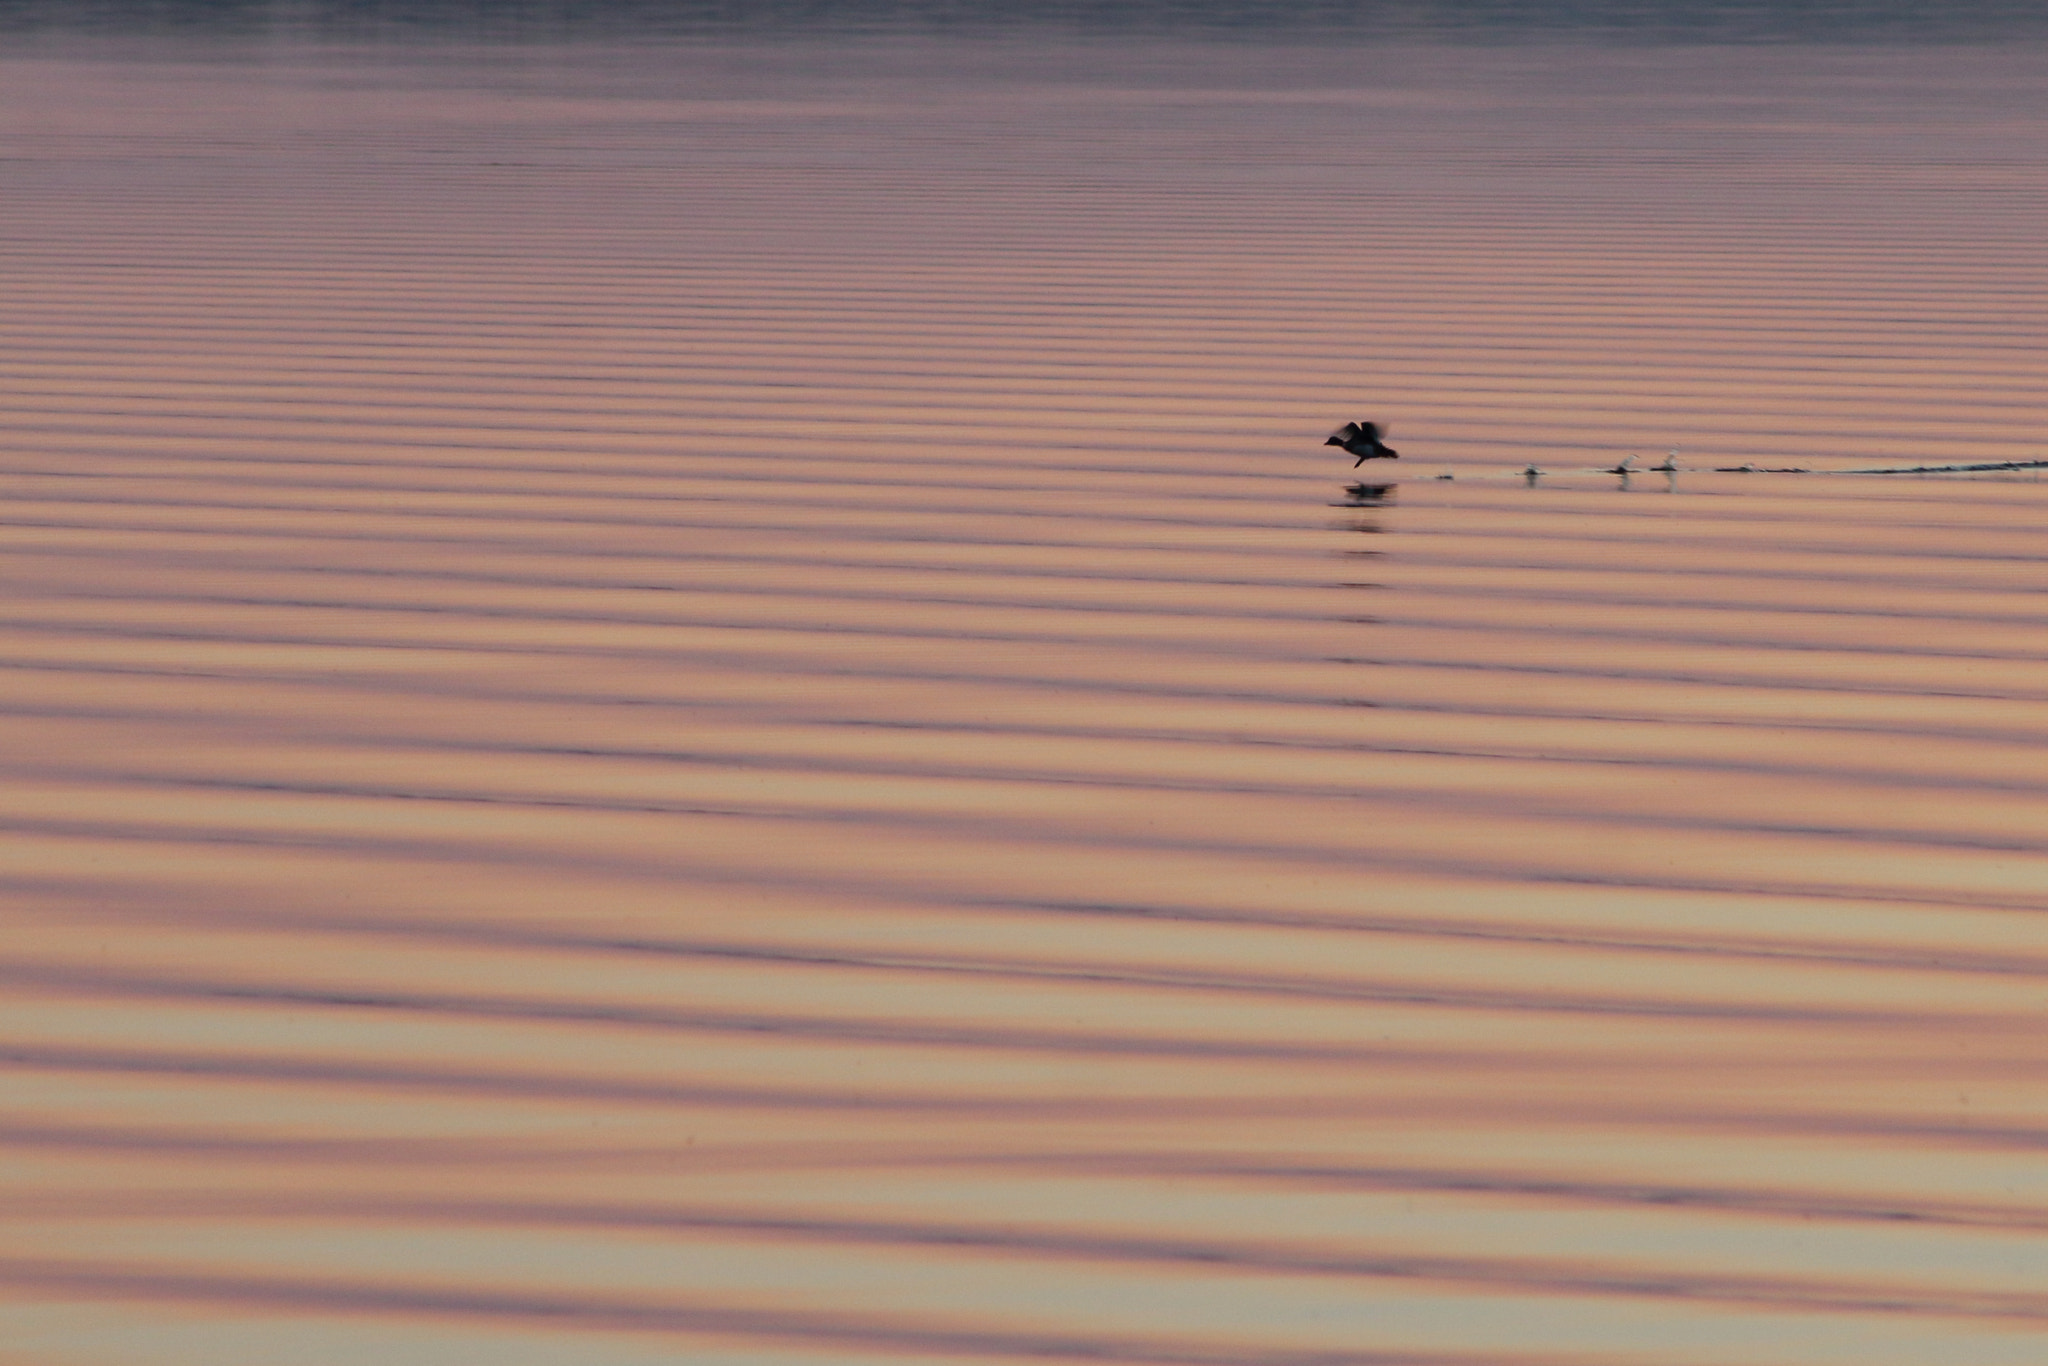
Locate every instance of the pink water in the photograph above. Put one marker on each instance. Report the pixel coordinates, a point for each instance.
(706, 704)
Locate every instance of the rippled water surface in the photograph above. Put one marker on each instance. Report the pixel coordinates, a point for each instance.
(714, 702)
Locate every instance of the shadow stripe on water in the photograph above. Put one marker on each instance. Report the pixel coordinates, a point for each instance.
(1097, 973)
(525, 854)
(1231, 1171)
(225, 723)
(1525, 1276)
(1044, 830)
(57, 1280)
(1313, 572)
(101, 899)
(112, 985)
(297, 1070)
(786, 661)
(779, 664)
(820, 503)
(101, 557)
(1204, 647)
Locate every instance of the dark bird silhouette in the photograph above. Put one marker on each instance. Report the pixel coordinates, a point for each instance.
(1362, 439)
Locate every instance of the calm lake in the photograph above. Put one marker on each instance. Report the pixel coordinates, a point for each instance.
(711, 699)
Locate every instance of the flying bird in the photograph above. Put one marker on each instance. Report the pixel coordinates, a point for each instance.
(1362, 439)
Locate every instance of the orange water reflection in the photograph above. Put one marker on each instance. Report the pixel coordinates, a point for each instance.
(715, 704)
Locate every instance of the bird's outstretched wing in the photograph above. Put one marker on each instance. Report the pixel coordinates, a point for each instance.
(1348, 432)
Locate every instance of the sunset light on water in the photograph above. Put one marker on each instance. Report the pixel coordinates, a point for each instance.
(712, 699)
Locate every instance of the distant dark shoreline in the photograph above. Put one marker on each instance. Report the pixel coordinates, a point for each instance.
(1483, 21)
